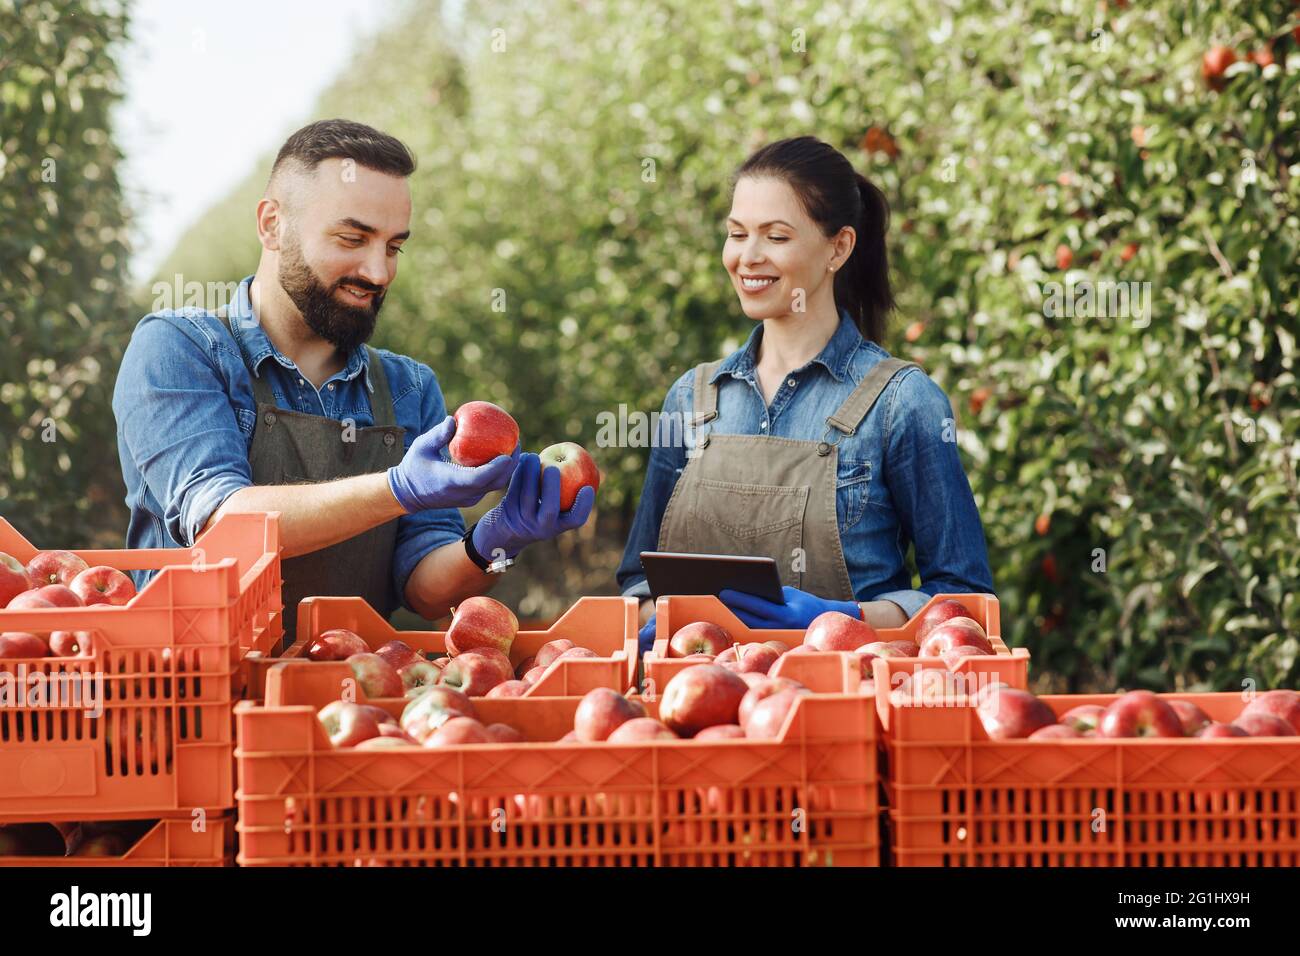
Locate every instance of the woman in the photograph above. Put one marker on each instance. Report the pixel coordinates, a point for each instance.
(811, 444)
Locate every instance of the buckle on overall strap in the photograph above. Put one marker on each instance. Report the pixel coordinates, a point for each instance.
(824, 447)
(698, 420)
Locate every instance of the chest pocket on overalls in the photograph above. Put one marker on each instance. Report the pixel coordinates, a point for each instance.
(852, 486)
(735, 518)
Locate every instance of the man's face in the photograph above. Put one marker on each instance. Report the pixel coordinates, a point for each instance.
(339, 247)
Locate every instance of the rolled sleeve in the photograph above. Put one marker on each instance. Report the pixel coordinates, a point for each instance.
(910, 602)
(177, 423)
(421, 533)
(932, 496)
(667, 459)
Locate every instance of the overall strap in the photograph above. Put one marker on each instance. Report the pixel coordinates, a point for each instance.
(705, 397)
(381, 402)
(850, 414)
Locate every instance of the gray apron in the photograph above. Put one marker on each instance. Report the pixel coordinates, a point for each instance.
(292, 448)
(767, 496)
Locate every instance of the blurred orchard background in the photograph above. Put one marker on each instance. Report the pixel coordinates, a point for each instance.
(1136, 474)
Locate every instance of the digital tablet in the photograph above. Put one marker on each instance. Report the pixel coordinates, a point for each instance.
(670, 572)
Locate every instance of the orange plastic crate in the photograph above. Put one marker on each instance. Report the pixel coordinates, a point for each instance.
(169, 842)
(960, 799)
(807, 799)
(676, 611)
(167, 670)
(606, 625)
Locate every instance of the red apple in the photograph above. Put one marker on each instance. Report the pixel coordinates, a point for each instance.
(58, 595)
(1279, 703)
(952, 657)
(527, 664)
(1259, 724)
(395, 730)
(937, 614)
(748, 658)
(638, 730)
(346, 723)
(880, 649)
(779, 646)
(1085, 718)
(698, 658)
(534, 675)
(19, 645)
(573, 653)
(481, 622)
(752, 679)
(1192, 718)
(1055, 732)
(30, 601)
(958, 632)
(1140, 713)
(381, 716)
(568, 738)
(601, 711)
(14, 579)
(504, 734)
(721, 732)
(1221, 730)
(55, 567)
(510, 688)
(1009, 714)
(577, 470)
(550, 651)
(1217, 60)
(458, 730)
(432, 709)
(72, 644)
(700, 696)
(474, 674)
(699, 637)
(337, 644)
(837, 631)
(103, 585)
(387, 741)
(376, 676)
(769, 714)
(397, 653)
(483, 432)
(418, 676)
(907, 648)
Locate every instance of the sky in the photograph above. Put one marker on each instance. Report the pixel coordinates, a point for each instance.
(211, 86)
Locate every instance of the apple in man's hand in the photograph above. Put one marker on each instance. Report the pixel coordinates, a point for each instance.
(483, 432)
(577, 470)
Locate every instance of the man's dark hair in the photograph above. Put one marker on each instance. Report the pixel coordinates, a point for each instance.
(344, 139)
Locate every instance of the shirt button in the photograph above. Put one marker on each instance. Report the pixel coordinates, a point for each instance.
(791, 382)
(301, 382)
(389, 438)
(764, 425)
(331, 386)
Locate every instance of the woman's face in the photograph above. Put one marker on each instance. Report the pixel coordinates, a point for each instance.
(778, 259)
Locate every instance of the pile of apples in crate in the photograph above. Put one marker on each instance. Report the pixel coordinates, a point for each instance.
(1009, 714)
(56, 579)
(945, 631)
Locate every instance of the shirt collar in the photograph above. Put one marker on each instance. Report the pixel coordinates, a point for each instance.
(835, 357)
(256, 344)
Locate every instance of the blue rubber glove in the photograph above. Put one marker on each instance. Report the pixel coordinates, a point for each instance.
(795, 614)
(522, 518)
(646, 636)
(425, 478)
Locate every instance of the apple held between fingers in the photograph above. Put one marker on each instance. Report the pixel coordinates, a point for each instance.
(103, 585)
(376, 676)
(483, 432)
(837, 631)
(577, 470)
(14, 579)
(699, 637)
(347, 724)
(20, 645)
(55, 567)
(1009, 714)
(1221, 730)
(1140, 713)
(1259, 724)
(481, 622)
(601, 711)
(700, 696)
(337, 644)
(1279, 703)
(1192, 718)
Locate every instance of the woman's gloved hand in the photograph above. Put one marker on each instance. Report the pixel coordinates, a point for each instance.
(425, 479)
(646, 636)
(523, 517)
(795, 614)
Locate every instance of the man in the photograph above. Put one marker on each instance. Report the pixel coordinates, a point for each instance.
(275, 403)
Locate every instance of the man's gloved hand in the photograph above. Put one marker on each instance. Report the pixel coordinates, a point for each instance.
(646, 636)
(795, 614)
(425, 479)
(522, 518)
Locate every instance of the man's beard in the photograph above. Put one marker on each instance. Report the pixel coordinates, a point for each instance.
(343, 326)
